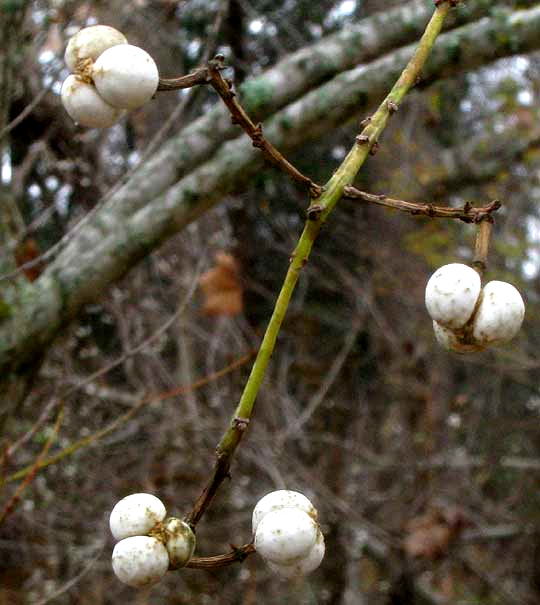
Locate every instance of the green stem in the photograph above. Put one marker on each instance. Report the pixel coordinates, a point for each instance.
(350, 166)
(299, 258)
(317, 214)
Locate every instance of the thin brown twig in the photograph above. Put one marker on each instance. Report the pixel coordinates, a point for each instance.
(211, 74)
(71, 583)
(24, 113)
(219, 474)
(199, 76)
(467, 213)
(254, 131)
(85, 441)
(237, 555)
(11, 449)
(13, 502)
(150, 339)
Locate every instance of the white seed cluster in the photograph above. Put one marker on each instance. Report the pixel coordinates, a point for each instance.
(467, 317)
(286, 533)
(109, 77)
(148, 543)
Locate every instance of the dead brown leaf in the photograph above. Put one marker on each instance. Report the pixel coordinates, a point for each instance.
(222, 287)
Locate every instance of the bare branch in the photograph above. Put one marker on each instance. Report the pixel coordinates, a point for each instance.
(467, 213)
(254, 131)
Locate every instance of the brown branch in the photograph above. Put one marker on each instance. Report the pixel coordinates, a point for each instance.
(199, 76)
(481, 247)
(211, 74)
(467, 213)
(219, 474)
(121, 420)
(12, 504)
(24, 113)
(237, 555)
(254, 131)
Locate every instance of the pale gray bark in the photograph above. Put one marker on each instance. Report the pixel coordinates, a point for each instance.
(144, 215)
(287, 81)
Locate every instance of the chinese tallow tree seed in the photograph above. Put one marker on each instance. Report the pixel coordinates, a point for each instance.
(140, 561)
(85, 106)
(90, 42)
(499, 315)
(125, 76)
(136, 515)
(303, 566)
(451, 295)
(285, 535)
(283, 498)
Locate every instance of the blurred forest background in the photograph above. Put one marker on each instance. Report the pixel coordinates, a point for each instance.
(424, 465)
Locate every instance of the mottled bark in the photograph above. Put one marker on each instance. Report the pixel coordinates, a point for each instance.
(177, 186)
(262, 96)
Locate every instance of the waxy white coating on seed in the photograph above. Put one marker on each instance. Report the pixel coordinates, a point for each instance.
(140, 561)
(180, 542)
(451, 294)
(136, 515)
(285, 535)
(499, 315)
(283, 498)
(450, 341)
(85, 106)
(303, 566)
(125, 76)
(90, 42)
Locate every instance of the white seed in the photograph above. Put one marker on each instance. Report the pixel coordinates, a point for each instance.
(126, 76)
(136, 515)
(303, 566)
(283, 498)
(180, 542)
(140, 561)
(450, 340)
(85, 106)
(285, 535)
(90, 42)
(499, 314)
(451, 294)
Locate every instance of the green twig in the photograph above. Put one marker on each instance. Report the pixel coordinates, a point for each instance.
(317, 214)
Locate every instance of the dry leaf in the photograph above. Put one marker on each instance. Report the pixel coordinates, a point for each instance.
(429, 542)
(27, 251)
(222, 287)
(429, 535)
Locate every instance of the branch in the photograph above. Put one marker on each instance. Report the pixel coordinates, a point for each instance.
(237, 555)
(157, 203)
(314, 222)
(302, 71)
(481, 246)
(199, 76)
(211, 75)
(10, 506)
(255, 131)
(467, 214)
(121, 420)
